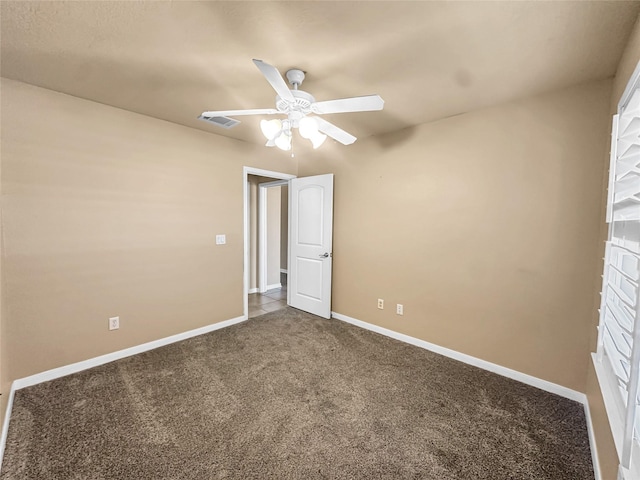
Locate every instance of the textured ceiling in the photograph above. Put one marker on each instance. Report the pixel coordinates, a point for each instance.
(428, 60)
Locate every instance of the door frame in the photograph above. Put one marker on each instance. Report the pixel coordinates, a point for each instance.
(262, 231)
(246, 171)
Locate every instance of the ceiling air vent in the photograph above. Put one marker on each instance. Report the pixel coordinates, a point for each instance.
(224, 122)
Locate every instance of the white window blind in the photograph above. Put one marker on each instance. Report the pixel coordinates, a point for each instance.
(618, 354)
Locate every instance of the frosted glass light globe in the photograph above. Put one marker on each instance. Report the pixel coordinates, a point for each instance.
(283, 142)
(270, 128)
(308, 127)
(318, 139)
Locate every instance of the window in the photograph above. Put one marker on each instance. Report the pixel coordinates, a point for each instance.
(617, 359)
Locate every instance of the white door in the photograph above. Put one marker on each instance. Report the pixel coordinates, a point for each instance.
(310, 244)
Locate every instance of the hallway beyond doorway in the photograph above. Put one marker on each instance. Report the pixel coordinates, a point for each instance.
(270, 301)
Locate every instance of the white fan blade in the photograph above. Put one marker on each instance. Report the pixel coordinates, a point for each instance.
(335, 132)
(273, 76)
(233, 113)
(368, 103)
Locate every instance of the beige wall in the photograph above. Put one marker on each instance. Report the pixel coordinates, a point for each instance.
(607, 454)
(273, 235)
(106, 212)
(483, 226)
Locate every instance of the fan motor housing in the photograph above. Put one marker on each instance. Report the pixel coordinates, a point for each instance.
(302, 104)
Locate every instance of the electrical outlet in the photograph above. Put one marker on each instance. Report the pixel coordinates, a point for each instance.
(399, 309)
(114, 323)
(221, 239)
(381, 304)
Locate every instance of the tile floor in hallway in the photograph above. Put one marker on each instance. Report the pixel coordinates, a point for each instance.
(270, 301)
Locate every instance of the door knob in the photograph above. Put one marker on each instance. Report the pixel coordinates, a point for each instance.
(324, 255)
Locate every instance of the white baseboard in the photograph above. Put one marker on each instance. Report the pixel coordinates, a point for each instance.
(97, 361)
(284, 270)
(110, 357)
(492, 367)
(275, 285)
(5, 426)
(476, 362)
(592, 442)
(253, 290)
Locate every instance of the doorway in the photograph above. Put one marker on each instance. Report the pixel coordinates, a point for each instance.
(265, 240)
(273, 233)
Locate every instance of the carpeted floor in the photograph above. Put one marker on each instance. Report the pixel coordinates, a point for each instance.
(291, 396)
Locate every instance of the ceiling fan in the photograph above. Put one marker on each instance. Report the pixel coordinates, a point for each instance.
(301, 110)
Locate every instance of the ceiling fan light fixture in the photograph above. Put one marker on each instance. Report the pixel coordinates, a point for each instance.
(283, 141)
(296, 105)
(271, 128)
(318, 139)
(308, 128)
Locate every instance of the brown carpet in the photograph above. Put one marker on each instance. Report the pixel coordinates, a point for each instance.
(290, 395)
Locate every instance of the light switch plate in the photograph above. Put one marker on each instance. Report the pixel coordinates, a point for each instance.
(221, 239)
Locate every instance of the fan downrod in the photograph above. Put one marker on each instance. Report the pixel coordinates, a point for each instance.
(295, 77)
